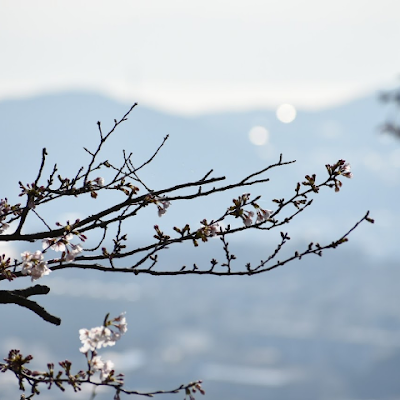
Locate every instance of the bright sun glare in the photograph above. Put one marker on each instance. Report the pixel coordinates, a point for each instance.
(258, 135)
(286, 113)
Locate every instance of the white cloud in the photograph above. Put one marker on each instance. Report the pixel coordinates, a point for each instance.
(198, 56)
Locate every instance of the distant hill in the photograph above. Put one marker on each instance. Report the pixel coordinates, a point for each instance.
(64, 123)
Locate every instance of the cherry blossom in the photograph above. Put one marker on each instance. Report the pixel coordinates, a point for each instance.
(97, 363)
(105, 367)
(122, 325)
(345, 170)
(163, 208)
(39, 270)
(214, 229)
(96, 338)
(33, 264)
(57, 244)
(74, 250)
(108, 366)
(3, 226)
(263, 215)
(102, 336)
(99, 181)
(209, 230)
(248, 218)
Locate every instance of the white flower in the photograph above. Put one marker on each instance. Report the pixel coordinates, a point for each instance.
(59, 243)
(161, 211)
(83, 334)
(107, 368)
(88, 339)
(26, 268)
(210, 230)
(163, 208)
(345, 170)
(248, 218)
(3, 226)
(96, 338)
(102, 336)
(46, 243)
(39, 270)
(122, 325)
(33, 265)
(37, 256)
(73, 252)
(26, 256)
(109, 338)
(104, 367)
(97, 363)
(214, 228)
(99, 181)
(263, 215)
(84, 337)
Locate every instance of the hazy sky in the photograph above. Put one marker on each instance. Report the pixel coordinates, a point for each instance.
(191, 56)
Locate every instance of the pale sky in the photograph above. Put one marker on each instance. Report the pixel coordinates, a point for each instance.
(189, 56)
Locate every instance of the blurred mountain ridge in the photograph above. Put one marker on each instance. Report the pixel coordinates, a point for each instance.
(65, 123)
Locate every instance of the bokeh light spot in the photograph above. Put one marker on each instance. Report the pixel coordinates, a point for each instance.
(286, 113)
(258, 135)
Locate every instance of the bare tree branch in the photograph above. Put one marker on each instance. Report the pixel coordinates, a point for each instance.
(20, 297)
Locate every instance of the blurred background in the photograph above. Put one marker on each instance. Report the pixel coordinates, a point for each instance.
(234, 85)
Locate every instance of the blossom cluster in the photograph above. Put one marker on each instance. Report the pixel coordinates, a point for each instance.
(247, 216)
(262, 215)
(63, 244)
(103, 336)
(340, 168)
(105, 367)
(345, 169)
(34, 265)
(209, 230)
(196, 387)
